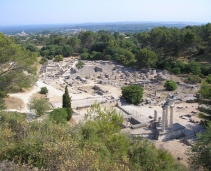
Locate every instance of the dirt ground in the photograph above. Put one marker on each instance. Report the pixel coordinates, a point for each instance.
(14, 103)
(176, 148)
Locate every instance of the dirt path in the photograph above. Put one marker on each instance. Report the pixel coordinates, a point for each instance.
(26, 95)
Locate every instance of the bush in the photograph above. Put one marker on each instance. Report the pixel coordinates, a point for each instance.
(132, 94)
(208, 80)
(170, 85)
(2, 104)
(43, 60)
(58, 58)
(193, 79)
(3, 94)
(80, 64)
(43, 90)
(85, 55)
(59, 115)
(39, 106)
(194, 68)
(176, 70)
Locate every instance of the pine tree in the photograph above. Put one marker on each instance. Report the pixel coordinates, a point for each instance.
(66, 103)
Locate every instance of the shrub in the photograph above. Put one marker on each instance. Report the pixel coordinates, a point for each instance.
(170, 85)
(59, 115)
(208, 80)
(58, 58)
(176, 70)
(43, 60)
(194, 68)
(39, 106)
(193, 79)
(80, 64)
(3, 94)
(85, 55)
(43, 90)
(132, 94)
(2, 104)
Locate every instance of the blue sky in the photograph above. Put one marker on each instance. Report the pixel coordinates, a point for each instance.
(26, 12)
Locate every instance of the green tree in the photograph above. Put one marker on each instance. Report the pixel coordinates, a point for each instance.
(87, 39)
(132, 94)
(43, 90)
(67, 50)
(170, 85)
(59, 115)
(200, 152)
(32, 48)
(17, 70)
(146, 58)
(75, 43)
(66, 103)
(39, 106)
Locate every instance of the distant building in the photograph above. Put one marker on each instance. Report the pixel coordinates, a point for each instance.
(22, 34)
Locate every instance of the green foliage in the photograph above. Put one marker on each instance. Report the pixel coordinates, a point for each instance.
(17, 70)
(80, 64)
(66, 103)
(170, 85)
(85, 55)
(43, 60)
(67, 50)
(59, 115)
(180, 65)
(58, 58)
(194, 68)
(32, 48)
(193, 79)
(2, 104)
(176, 70)
(43, 90)
(200, 153)
(97, 144)
(165, 63)
(3, 94)
(145, 156)
(146, 58)
(205, 70)
(205, 90)
(208, 80)
(132, 94)
(39, 106)
(103, 119)
(44, 145)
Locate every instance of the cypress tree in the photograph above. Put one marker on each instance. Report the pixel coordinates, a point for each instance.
(66, 103)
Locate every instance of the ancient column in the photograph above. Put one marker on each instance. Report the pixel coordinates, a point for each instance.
(171, 117)
(155, 115)
(167, 116)
(163, 120)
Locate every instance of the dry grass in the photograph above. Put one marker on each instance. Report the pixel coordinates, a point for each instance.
(38, 95)
(13, 103)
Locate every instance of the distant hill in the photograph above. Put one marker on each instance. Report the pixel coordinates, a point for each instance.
(109, 26)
